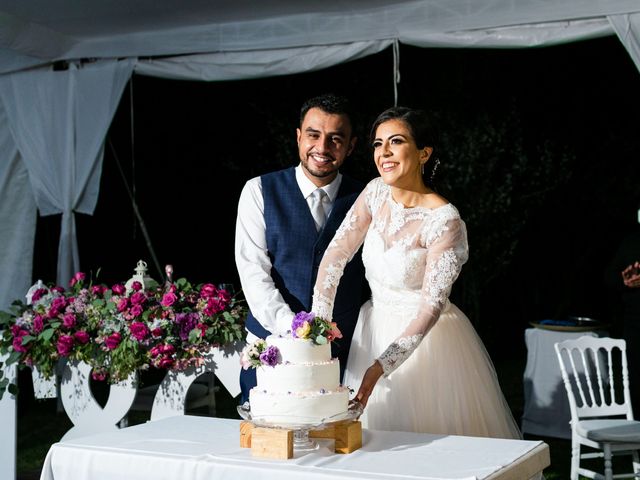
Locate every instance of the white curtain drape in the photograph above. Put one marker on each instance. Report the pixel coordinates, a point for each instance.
(59, 120)
(17, 218)
(627, 27)
(258, 63)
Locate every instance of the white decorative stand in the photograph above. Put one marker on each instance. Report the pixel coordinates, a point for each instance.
(171, 397)
(85, 412)
(8, 423)
(43, 387)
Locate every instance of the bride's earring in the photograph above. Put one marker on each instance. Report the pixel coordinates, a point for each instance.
(422, 168)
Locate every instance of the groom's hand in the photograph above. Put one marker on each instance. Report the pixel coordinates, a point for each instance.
(371, 376)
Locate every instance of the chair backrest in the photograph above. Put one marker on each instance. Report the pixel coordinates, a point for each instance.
(587, 365)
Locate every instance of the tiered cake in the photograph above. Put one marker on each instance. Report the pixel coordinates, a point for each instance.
(303, 387)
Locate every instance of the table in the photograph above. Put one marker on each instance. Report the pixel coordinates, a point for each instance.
(199, 448)
(546, 406)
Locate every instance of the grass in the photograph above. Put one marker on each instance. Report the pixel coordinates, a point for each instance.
(40, 423)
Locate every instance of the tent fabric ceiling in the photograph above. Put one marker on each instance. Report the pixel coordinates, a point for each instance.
(40, 31)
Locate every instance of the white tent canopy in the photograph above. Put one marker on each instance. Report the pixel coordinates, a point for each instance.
(210, 40)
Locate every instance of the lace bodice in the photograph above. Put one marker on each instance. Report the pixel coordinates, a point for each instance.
(412, 257)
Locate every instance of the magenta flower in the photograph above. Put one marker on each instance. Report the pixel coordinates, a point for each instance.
(168, 299)
(157, 332)
(17, 344)
(136, 311)
(112, 341)
(138, 298)
(81, 337)
(58, 289)
(69, 320)
(98, 289)
(186, 322)
(38, 323)
(64, 345)
(118, 289)
(57, 306)
(78, 277)
(136, 286)
(208, 290)
(99, 375)
(123, 304)
(165, 362)
(38, 294)
(138, 330)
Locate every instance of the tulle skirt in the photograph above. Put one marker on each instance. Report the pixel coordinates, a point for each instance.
(447, 386)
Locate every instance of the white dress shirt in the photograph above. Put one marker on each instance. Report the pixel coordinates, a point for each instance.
(252, 259)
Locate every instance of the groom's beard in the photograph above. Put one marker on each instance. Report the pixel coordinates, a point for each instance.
(321, 169)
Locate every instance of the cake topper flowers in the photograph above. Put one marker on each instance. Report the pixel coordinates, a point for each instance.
(258, 353)
(308, 326)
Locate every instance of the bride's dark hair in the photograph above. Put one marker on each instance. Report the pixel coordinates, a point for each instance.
(422, 130)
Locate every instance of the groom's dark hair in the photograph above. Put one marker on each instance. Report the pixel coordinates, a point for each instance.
(328, 103)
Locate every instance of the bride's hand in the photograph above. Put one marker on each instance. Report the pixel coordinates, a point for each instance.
(371, 376)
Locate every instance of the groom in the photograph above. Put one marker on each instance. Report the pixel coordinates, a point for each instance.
(286, 220)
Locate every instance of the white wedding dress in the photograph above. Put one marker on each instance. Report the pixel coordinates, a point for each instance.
(438, 377)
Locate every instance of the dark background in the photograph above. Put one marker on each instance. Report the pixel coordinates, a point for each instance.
(540, 154)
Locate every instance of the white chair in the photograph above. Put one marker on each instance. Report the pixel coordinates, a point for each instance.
(595, 400)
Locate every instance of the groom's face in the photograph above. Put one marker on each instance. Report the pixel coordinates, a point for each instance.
(324, 141)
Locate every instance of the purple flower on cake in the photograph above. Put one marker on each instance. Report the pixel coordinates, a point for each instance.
(301, 324)
(309, 326)
(270, 356)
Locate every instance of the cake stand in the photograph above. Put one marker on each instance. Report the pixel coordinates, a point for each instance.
(301, 425)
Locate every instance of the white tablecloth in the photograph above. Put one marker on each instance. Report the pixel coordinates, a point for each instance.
(203, 448)
(546, 406)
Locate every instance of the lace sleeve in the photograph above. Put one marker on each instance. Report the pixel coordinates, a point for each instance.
(446, 244)
(345, 244)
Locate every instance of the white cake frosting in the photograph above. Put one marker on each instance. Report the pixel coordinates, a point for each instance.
(303, 388)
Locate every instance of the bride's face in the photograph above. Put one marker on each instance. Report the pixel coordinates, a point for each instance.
(396, 155)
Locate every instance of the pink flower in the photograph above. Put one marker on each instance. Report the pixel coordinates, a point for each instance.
(334, 332)
(155, 351)
(78, 277)
(112, 341)
(214, 306)
(136, 286)
(208, 290)
(99, 375)
(123, 304)
(138, 298)
(168, 299)
(38, 323)
(17, 345)
(165, 362)
(65, 345)
(69, 320)
(136, 311)
(157, 332)
(98, 289)
(57, 306)
(81, 337)
(138, 330)
(37, 295)
(118, 289)
(58, 289)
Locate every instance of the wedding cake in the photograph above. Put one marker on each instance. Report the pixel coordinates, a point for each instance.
(297, 380)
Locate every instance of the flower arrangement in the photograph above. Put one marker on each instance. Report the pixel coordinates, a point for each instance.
(118, 330)
(258, 354)
(305, 325)
(308, 325)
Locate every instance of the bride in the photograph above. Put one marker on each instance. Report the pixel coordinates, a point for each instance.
(421, 364)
